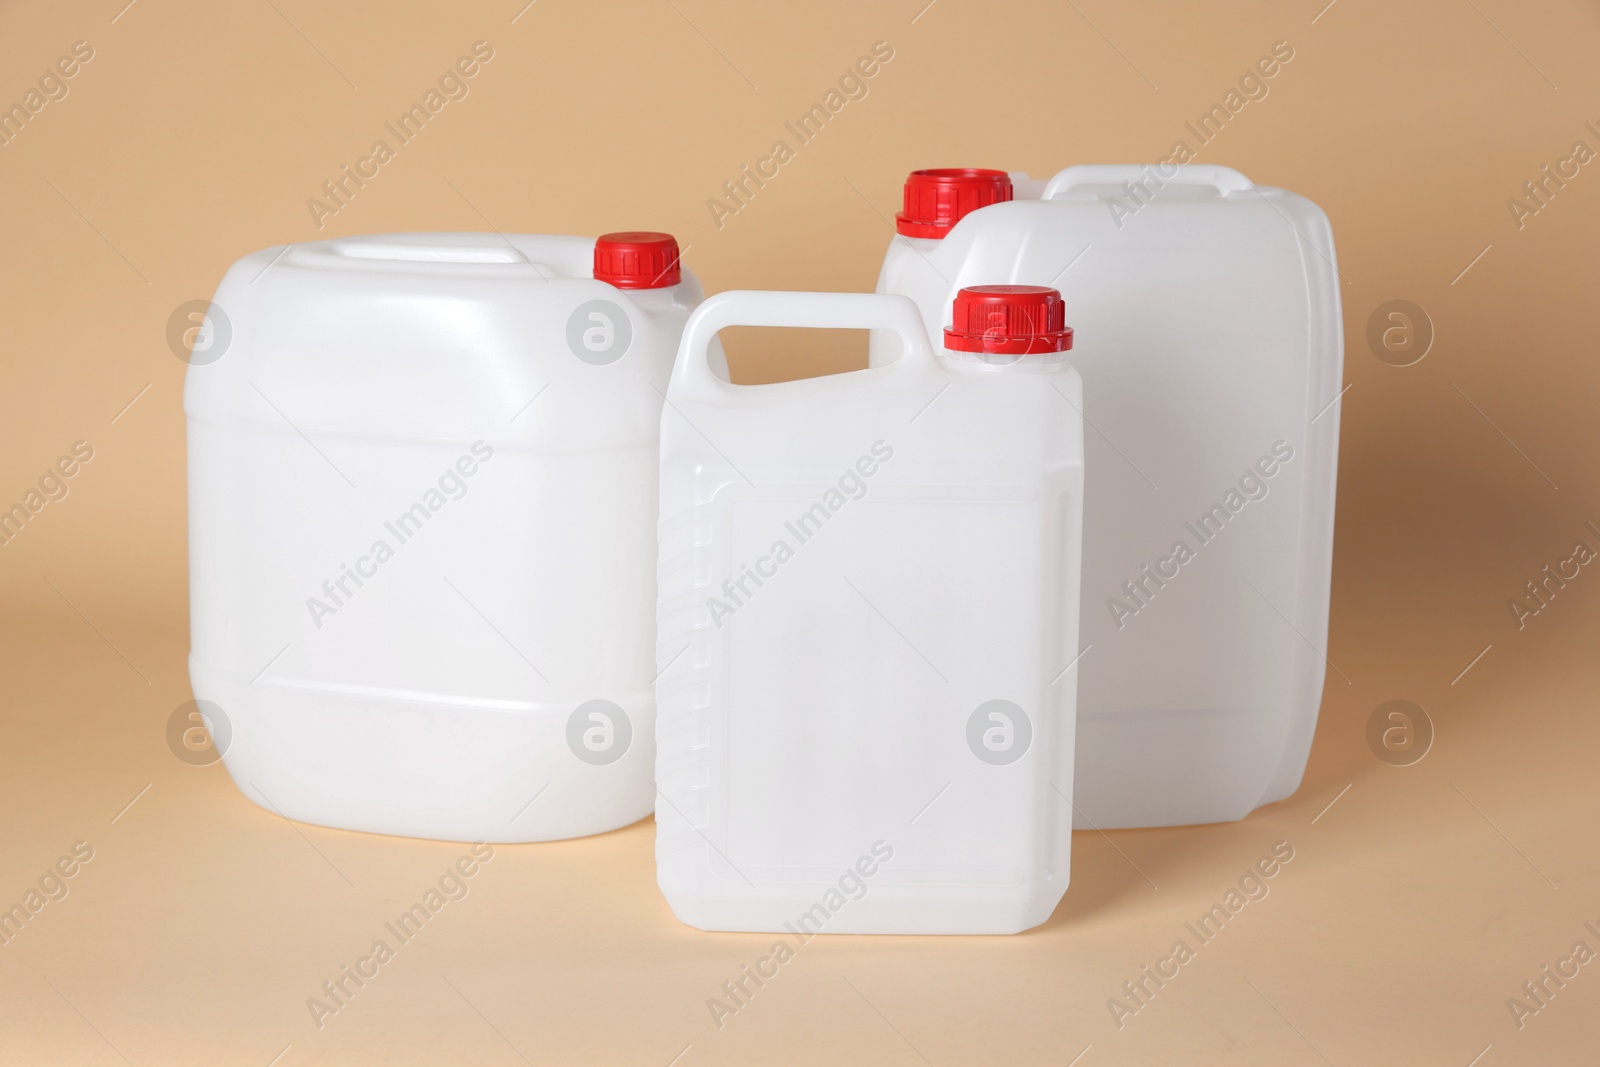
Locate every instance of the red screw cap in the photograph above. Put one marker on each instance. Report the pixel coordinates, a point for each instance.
(935, 200)
(637, 260)
(1015, 320)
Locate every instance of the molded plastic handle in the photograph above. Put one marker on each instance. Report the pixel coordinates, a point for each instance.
(426, 253)
(1224, 180)
(692, 375)
(399, 253)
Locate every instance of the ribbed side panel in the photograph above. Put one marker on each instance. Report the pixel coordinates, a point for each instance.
(685, 635)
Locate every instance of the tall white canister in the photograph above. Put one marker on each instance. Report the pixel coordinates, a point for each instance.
(868, 617)
(422, 499)
(1211, 357)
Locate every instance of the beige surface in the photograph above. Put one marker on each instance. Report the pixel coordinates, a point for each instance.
(1415, 905)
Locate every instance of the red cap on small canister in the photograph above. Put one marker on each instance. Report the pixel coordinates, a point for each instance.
(637, 259)
(935, 200)
(1016, 320)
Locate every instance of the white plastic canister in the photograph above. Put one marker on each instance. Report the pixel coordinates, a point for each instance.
(867, 620)
(422, 494)
(1211, 349)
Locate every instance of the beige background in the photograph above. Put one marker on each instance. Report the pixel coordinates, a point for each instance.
(1416, 905)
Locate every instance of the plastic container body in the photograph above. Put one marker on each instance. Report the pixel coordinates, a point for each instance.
(867, 616)
(422, 490)
(1210, 343)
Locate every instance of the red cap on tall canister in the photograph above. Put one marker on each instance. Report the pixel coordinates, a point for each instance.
(1016, 320)
(935, 200)
(637, 259)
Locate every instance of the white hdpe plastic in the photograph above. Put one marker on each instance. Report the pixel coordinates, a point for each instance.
(867, 602)
(1210, 343)
(422, 497)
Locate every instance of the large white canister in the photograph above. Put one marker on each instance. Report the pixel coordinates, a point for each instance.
(1211, 349)
(868, 617)
(422, 500)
